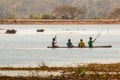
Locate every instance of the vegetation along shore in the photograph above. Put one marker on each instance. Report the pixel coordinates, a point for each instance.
(80, 72)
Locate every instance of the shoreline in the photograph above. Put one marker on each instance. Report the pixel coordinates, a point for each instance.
(44, 66)
(43, 72)
(59, 22)
(57, 64)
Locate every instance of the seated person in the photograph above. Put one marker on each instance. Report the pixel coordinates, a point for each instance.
(54, 43)
(90, 42)
(69, 43)
(81, 44)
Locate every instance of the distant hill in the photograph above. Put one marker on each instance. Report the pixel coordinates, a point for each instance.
(23, 8)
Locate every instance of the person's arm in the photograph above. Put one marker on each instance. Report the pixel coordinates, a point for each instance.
(94, 40)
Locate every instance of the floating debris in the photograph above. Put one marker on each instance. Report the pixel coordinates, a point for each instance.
(11, 31)
(40, 30)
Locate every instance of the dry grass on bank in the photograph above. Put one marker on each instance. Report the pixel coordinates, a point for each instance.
(69, 77)
(85, 72)
(88, 67)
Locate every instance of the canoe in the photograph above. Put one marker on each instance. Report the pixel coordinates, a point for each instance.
(107, 46)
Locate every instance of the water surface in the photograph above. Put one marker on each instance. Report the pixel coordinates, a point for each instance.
(29, 48)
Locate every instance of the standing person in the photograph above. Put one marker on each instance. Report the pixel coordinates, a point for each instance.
(69, 43)
(54, 43)
(90, 42)
(81, 44)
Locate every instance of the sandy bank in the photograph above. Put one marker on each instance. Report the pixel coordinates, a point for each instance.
(29, 73)
(39, 21)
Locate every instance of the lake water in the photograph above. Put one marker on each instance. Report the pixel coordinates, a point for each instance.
(29, 48)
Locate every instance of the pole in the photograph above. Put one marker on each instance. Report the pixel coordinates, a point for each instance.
(97, 36)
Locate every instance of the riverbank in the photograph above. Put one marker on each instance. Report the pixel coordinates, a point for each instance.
(54, 21)
(80, 72)
(86, 67)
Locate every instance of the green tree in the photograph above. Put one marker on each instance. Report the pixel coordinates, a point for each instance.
(31, 16)
(34, 16)
(12, 16)
(45, 16)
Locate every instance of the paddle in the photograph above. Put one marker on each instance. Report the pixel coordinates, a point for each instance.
(97, 36)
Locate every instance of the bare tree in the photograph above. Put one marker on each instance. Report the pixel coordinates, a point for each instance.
(115, 13)
(67, 12)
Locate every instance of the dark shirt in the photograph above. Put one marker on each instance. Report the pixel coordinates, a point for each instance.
(69, 44)
(53, 43)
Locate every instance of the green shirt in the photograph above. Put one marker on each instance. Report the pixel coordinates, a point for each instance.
(90, 43)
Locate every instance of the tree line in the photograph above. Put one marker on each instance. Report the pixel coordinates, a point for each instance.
(51, 9)
(65, 12)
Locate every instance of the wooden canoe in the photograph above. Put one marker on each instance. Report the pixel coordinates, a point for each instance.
(107, 46)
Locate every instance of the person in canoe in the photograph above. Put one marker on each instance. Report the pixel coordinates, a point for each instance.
(54, 43)
(69, 43)
(81, 44)
(90, 42)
